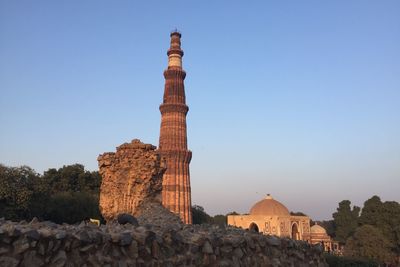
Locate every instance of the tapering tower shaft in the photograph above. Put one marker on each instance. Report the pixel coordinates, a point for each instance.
(176, 192)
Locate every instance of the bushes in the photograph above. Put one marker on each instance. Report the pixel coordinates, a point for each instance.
(65, 195)
(200, 216)
(72, 207)
(339, 261)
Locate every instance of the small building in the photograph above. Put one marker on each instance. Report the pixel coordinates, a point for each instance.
(320, 236)
(271, 217)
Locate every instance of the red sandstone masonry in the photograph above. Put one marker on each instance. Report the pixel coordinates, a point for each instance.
(176, 193)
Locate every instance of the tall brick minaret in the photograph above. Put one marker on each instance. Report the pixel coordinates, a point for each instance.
(176, 195)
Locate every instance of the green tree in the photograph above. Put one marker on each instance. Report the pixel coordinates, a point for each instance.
(219, 219)
(39, 198)
(16, 191)
(72, 207)
(371, 212)
(297, 213)
(342, 261)
(345, 220)
(386, 217)
(199, 215)
(69, 194)
(72, 178)
(369, 242)
(74, 194)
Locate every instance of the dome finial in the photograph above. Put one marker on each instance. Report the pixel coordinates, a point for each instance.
(268, 196)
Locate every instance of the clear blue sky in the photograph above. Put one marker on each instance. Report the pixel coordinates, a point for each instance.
(300, 99)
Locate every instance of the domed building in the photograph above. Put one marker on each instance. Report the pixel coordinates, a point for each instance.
(320, 236)
(269, 216)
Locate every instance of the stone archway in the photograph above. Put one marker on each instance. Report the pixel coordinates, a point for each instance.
(295, 232)
(254, 227)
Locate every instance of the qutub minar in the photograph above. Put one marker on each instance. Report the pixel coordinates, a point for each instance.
(176, 194)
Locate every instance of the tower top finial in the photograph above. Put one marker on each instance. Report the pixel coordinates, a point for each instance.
(176, 32)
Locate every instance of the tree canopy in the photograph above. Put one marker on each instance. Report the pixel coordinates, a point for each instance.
(369, 242)
(68, 194)
(345, 220)
(17, 189)
(374, 233)
(200, 216)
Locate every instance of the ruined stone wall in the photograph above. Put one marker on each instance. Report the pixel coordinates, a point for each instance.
(48, 244)
(130, 176)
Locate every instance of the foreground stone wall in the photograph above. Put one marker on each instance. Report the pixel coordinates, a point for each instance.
(48, 244)
(130, 176)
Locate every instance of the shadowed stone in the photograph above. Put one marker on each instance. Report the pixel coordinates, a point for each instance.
(126, 239)
(207, 248)
(8, 261)
(59, 259)
(33, 235)
(125, 218)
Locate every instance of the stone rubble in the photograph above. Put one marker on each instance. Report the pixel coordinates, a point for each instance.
(164, 244)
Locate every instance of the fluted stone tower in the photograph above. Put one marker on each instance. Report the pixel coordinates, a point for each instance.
(176, 195)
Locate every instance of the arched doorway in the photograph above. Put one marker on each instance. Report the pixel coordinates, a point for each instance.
(253, 227)
(295, 232)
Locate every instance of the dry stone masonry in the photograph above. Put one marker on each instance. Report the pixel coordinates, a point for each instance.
(167, 244)
(130, 176)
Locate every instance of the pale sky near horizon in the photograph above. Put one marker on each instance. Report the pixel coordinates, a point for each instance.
(299, 99)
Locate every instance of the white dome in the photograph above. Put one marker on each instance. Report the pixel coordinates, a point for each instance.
(269, 206)
(317, 229)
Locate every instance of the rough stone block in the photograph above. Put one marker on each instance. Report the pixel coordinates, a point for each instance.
(130, 176)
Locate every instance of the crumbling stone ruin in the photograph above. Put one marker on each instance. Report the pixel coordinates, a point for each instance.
(130, 176)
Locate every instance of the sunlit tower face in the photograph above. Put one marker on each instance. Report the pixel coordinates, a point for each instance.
(176, 193)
